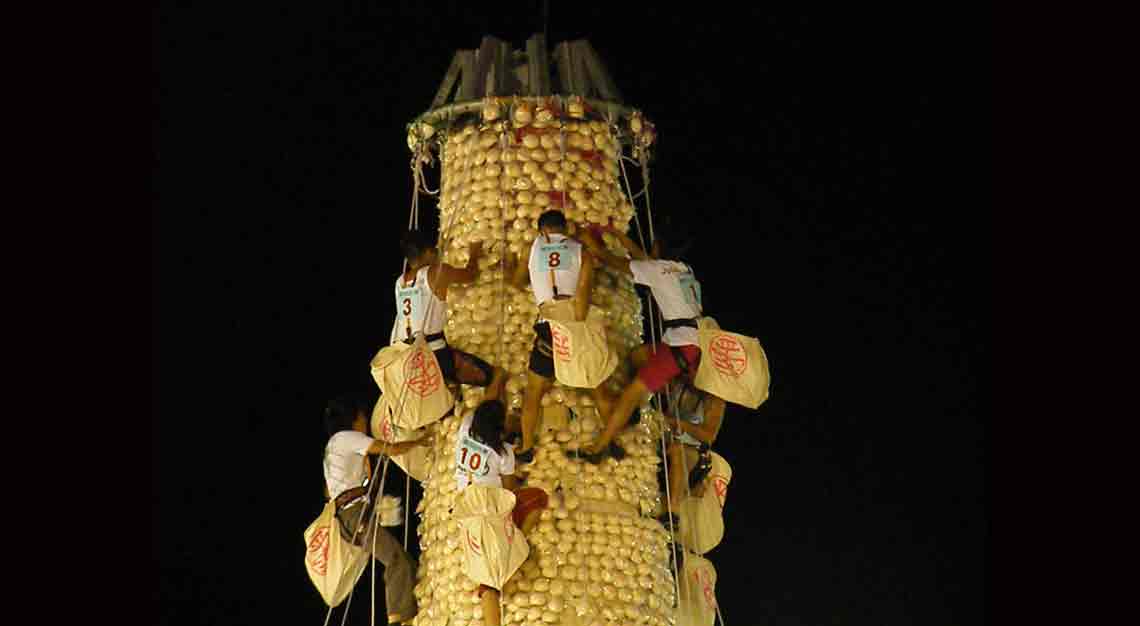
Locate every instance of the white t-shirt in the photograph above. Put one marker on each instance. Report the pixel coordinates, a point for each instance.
(476, 463)
(418, 310)
(559, 256)
(344, 461)
(676, 291)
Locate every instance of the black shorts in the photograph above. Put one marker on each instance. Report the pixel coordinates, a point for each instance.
(542, 355)
(446, 357)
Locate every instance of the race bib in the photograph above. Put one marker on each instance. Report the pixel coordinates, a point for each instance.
(410, 305)
(559, 256)
(691, 288)
(471, 458)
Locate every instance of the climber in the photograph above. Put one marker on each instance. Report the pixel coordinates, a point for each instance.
(345, 461)
(421, 294)
(677, 293)
(695, 418)
(482, 457)
(561, 278)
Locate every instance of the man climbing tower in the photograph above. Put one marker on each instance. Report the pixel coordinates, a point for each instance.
(677, 293)
(421, 294)
(561, 277)
(346, 470)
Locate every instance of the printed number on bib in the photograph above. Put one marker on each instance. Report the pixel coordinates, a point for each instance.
(410, 299)
(472, 458)
(470, 461)
(555, 257)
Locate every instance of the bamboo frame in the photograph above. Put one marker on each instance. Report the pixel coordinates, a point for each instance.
(433, 117)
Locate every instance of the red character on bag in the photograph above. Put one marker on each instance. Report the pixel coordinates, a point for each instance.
(561, 344)
(728, 355)
(704, 579)
(318, 555)
(509, 528)
(422, 374)
(476, 546)
(721, 487)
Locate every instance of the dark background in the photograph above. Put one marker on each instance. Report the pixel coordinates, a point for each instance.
(832, 164)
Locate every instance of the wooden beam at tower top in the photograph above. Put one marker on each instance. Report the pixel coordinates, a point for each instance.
(568, 82)
(602, 82)
(581, 71)
(495, 69)
(501, 68)
(468, 86)
(538, 64)
(449, 80)
(484, 60)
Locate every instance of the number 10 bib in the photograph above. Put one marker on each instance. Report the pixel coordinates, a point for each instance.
(471, 458)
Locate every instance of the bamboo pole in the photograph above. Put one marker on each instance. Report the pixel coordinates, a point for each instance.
(433, 117)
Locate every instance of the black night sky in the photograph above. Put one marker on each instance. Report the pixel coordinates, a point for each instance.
(832, 164)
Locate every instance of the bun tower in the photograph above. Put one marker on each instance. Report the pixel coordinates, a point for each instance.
(516, 133)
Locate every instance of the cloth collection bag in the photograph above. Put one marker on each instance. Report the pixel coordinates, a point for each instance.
(334, 564)
(733, 367)
(410, 377)
(493, 547)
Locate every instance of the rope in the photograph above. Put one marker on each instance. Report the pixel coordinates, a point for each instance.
(669, 508)
(503, 144)
(356, 531)
(645, 183)
(414, 218)
(562, 151)
(649, 301)
(628, 190)
(375, 530)
(648, 204)
(413, 223)
(655, 398)
(407, 506)
(421, 154)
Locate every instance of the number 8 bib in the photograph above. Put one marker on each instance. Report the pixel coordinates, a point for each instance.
(556, 257)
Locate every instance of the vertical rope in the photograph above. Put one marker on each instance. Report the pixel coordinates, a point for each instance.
(669, 509)
(375, 529)
(503, 142)
(355, 533)
(632, 203)
(407, 506)
(648, 203)
(649, 308)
